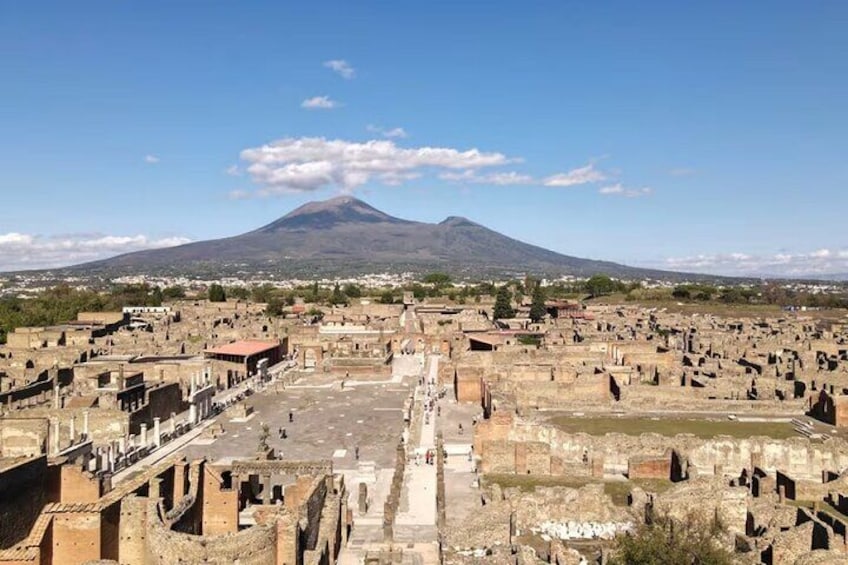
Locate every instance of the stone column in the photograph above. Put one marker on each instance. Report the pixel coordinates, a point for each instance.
(122, 445)
(266, 489)
(56, 396)
(157, 434)
(110, 457)
(54, 440)
(192, 414)
(72, 424)
(85, 423)
(143, 435)
(173, 423)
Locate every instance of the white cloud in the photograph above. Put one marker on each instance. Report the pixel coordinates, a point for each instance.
(311, 163)
(619, 190)
(151, 159)
(306, 164)
(813, 263)
(391, 133)
(507, 178)
(233, 171)
(319, 103)
(341, 67)
(24, 251)
(395, 133)
(574, 177)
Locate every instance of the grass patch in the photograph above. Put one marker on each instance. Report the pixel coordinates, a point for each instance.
(616, 490)
(528, 483)
(668, 427)
(823, 507)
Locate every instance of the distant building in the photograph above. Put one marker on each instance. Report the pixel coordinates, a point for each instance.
(240, 358)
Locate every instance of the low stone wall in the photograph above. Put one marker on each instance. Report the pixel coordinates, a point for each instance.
(253, 546)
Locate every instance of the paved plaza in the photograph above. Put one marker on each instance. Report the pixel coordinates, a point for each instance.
(327, 423)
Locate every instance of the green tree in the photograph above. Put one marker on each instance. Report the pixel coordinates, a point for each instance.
(437, 279)
(173, 292)
(353, 291)
(600, 285)
(238, 292)
(216, 293)
(387, 297)
(419, 292)
(503, 304)
(338, 296)
(682, 292)
(315, 313)
(537, 306)
(262, 293)
(274, 307)
(667, 541)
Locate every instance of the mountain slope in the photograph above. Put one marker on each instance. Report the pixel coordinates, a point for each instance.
(347, 236)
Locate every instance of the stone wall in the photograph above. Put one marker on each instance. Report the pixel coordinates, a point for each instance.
(220, 504)
(798, 457)
(23, 437)
(22, 496)
(253, 546)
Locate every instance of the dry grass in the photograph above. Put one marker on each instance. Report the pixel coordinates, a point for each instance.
(617, 490)
(671, 426)
(720, 309)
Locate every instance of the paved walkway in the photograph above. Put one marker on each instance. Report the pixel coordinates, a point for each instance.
(418, 502)
(415, 524)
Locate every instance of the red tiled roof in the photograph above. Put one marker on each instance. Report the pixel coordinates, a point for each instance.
(244, 348)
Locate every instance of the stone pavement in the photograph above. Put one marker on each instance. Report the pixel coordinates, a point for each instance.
(418, 502)
(327, 423)
(415, 530)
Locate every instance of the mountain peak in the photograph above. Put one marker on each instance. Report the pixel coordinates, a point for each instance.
(457, 221)
(325, 214)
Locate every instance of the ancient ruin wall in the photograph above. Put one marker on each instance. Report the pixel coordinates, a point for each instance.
(22, 496)
(254, 546)
(797, 456)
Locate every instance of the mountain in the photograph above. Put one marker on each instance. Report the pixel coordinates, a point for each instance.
(346, 236)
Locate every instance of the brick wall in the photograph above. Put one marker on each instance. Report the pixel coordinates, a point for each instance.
(640, 467)
(220, 505)
(76, 537)
(77, 485)
(132, 531)
(469, 388)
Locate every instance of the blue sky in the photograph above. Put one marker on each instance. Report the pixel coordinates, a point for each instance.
(700, 136)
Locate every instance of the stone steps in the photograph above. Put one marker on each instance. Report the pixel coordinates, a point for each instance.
(404, 534)
(366, 472)
(802, 427)
(365, 534)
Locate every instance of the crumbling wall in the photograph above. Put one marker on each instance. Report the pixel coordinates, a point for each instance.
(22, 496)
(253, 546)
(798, 457)
(23, 437)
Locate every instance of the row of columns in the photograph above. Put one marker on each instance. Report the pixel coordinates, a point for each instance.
(113, 455)
(55, 433)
